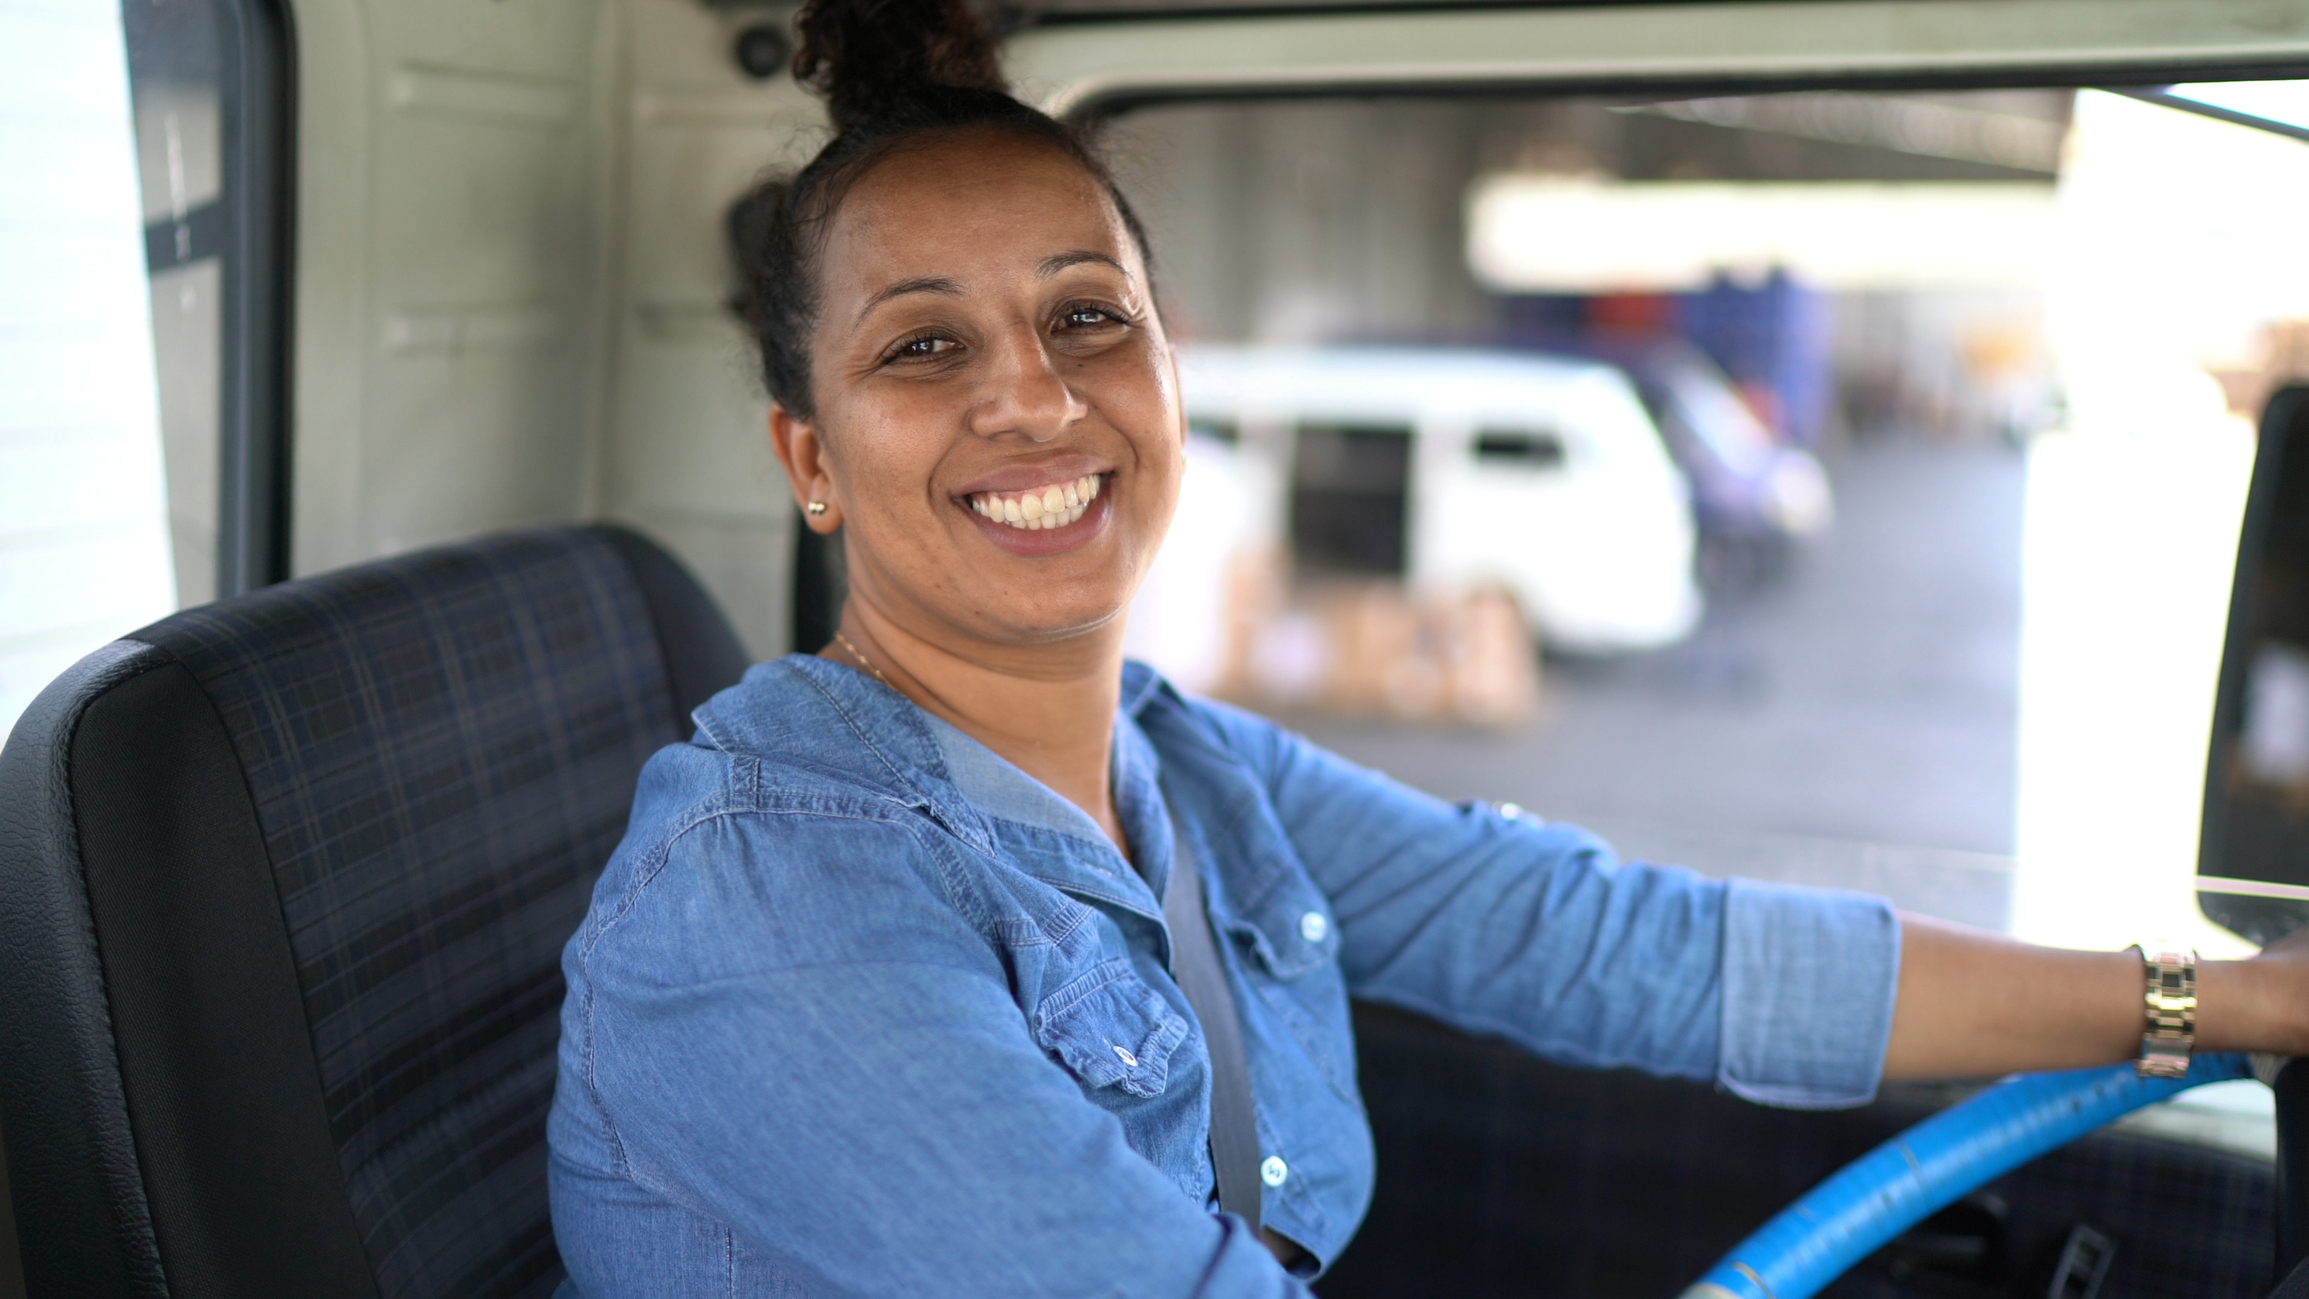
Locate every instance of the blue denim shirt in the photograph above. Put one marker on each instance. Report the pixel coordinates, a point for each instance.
(861, 1008)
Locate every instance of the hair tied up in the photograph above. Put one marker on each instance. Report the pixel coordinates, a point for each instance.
(878, 58)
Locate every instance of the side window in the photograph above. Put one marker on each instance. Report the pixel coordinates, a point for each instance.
(1529, 450)
(1348, 489)
(142, 313)
(208, 82)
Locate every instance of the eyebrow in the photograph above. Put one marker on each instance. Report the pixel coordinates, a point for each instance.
(1053, 265)
(945, 287)
(927, 284)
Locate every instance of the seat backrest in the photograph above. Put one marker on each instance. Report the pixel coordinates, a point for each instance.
(284, 882)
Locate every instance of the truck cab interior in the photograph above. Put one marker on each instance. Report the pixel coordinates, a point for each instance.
(451, 498)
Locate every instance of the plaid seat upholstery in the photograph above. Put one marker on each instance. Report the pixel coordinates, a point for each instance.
(440, 753)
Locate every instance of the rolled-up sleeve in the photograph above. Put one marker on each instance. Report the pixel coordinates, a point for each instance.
(1808, 981)
(1502, 925)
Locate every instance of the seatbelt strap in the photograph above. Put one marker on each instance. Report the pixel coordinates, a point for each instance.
(1195, 964)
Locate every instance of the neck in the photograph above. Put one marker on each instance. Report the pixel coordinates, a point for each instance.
(1047, 709)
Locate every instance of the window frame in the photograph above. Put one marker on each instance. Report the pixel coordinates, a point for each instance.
(250, 229)
(258, 273)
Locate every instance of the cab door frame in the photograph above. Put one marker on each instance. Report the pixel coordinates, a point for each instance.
(1081, 62)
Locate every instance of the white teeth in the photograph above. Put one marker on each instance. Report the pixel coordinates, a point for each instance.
(1054, 506)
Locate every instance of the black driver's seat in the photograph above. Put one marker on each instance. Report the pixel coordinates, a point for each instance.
(284, 882)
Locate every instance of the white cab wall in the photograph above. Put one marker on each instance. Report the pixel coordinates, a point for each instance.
(450, 269)
(509, 268)
(686, 455)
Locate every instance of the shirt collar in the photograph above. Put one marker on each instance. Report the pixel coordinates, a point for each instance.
(800, 705)
(925, 755)
(995, 786)
(1140, 684)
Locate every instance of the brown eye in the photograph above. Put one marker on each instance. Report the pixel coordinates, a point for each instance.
(927, 347)
(1087, 317)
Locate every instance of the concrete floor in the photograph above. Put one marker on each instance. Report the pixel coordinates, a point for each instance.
(1852, 723)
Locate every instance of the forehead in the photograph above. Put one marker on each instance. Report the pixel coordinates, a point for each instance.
(980, 198)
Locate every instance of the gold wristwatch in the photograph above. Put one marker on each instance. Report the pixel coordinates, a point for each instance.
(2170, 973)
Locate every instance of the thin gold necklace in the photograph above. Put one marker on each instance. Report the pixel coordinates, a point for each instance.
(867, 663)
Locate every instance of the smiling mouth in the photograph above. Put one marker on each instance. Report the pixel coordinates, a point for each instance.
(1039, 508)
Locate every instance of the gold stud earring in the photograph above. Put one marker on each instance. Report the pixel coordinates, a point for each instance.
(817, 508)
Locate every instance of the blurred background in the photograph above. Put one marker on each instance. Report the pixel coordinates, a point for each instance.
(1839, 488)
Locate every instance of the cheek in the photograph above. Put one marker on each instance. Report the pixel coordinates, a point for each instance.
(886, 457)
(1166, 512)
(1143, 403)
(1163, 442)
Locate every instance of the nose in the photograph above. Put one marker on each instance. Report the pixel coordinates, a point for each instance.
(1024, 392)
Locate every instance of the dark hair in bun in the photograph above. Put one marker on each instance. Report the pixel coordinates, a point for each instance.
(891, 71)
(870, 57)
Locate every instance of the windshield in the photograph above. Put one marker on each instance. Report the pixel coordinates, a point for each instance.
(1909, 565)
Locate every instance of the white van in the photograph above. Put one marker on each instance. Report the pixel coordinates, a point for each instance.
(1454, 467)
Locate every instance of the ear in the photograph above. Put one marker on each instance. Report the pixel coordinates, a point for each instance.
(803, 453)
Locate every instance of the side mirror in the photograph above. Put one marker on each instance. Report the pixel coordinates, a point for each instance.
(2253, 858)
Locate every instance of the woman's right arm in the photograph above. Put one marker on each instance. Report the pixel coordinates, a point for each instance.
(790, 1028)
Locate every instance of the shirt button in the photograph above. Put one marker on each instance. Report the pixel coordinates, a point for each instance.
(1129, 1061)
(1313, 927)
(1511, 811)
(1273, 1170)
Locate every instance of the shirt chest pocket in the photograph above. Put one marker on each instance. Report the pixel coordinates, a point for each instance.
(1289, 934)
(1111, 1030)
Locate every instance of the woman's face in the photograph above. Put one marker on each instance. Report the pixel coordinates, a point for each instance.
(997, 424)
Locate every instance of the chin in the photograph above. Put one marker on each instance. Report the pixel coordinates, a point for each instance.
(1073, 620)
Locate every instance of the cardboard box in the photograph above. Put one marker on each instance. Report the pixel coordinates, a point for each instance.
(1374, 648)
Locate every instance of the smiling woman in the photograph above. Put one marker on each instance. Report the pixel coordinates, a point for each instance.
(964, 958)
(981, 340)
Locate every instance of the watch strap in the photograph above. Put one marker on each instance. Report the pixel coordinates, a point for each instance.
(2169, 972)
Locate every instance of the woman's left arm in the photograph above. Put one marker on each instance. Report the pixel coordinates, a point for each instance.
(1501, 925)
(1973, 1004)
(1790, 997)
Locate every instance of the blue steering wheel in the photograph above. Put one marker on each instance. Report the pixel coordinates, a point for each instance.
(1914, 1175)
